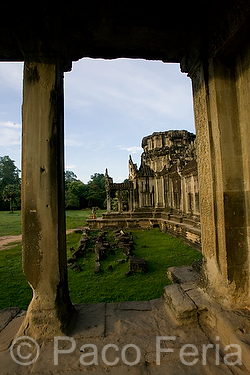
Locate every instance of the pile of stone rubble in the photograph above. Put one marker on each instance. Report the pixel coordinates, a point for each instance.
(123, 241)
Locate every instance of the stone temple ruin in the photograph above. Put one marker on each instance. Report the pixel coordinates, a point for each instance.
(167, 178)
(164, 190)
(210, 40)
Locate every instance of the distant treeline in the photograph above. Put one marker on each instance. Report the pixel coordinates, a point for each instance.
(77, 194)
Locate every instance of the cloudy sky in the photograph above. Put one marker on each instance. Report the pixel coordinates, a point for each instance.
(109, 107)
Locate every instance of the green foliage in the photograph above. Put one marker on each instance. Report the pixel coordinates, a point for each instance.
(73, 191)
(96, 192)
(77, 194)
(70, 177)
(72, 201)
(12, 194)
(9, 176)
(114, 204)
(9, 173)
(79, 190)
(125, 200)
(98, 179)
(80, 195)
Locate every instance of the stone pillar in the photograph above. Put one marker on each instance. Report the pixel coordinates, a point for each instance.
(140, 191)
(120, 205)
(130, 202)
(43, 209)
(167, 192)
(222, 112)
(158, 193)
(183, 196)
(162, 192)
(108, 201)
(136, 196)
(193, 194)
(171, 194)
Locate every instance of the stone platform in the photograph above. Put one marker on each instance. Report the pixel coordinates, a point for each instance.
(121, 338)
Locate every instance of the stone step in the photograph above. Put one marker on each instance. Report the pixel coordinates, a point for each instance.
(6, 315)
(182, 274)
(180, 304)
(188, 303)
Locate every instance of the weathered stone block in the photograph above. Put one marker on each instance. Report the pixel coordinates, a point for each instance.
(137, 264)
(182, 274)
(97, 267)
(76, 267)
(179, 303)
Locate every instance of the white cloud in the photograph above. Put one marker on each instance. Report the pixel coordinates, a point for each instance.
(70, 166)
(133, 149)
(135, 88)
(73, 142)
(10, 134)
(11, 75)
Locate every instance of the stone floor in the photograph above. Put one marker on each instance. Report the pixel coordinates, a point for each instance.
(121, 338)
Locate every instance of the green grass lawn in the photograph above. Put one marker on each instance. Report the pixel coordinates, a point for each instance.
(10, 223)
(76, 218)
(14, 289)
(159, 249)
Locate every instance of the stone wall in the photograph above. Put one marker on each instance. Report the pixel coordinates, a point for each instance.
(188, 230)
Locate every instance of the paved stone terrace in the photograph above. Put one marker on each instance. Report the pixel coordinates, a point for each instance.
(137, 323)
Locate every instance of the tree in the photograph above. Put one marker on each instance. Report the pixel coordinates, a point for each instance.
(9, 175)
(11, 193)
(80, 195)
(125, 200)
(69, 177)
(76, 192)
(72, 201)
(97, 191)
(98, 179)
